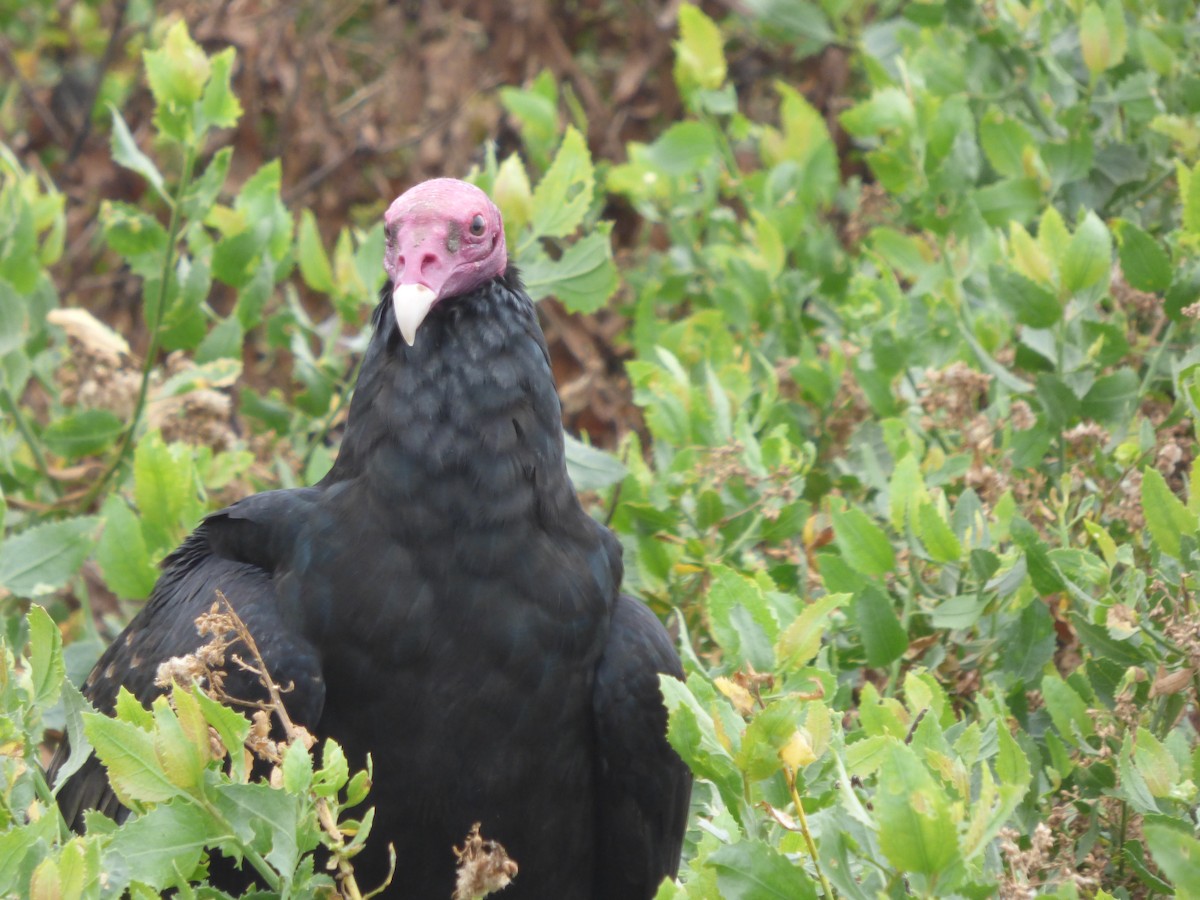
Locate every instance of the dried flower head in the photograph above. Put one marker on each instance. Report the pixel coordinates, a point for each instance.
(483, 867)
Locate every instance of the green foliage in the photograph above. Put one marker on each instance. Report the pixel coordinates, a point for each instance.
(917, 480)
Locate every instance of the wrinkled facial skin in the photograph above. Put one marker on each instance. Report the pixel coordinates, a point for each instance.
(444, 238)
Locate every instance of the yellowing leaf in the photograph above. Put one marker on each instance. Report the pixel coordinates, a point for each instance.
(798, 751)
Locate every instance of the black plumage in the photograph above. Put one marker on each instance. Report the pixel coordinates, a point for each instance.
(441, 601)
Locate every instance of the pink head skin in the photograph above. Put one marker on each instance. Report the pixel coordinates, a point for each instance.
(444, 238)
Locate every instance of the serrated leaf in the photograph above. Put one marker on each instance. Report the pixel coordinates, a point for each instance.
(46, 667)
(1155, 763)
(125, 563)
(699, 52)
(916, 830)
(162, 847)
(564, 194)
(297, 769)
(231, 726)
(863, 544)
(219, 105)
(1028, 256)
(801, 640)
(1089, 255)
(128, 755)
(1028, 301)
(1053, 236)
(178, 69)
(742, 621)
(1144, 262)
(179, 755)
(936, 534)
(165, 490)
(582, 279)
(44, 558)
(906, 487)
(1166, 516)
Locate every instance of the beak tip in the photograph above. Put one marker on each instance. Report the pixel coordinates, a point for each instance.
(411, 303)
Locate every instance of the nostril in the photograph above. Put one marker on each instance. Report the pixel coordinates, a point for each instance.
(426, 261)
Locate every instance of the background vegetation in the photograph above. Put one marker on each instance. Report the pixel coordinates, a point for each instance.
(894, 363)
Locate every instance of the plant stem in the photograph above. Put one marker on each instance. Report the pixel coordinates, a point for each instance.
(790, 775)
(39, 459)
(173, 229)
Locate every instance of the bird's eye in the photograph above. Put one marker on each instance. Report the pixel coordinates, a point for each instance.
(388, 232)
(477, 225)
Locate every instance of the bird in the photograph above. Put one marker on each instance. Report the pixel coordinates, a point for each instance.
(441, 600)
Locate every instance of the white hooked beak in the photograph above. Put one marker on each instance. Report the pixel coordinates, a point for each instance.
(411, 303)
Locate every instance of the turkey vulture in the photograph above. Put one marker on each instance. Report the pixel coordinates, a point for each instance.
(441, 601)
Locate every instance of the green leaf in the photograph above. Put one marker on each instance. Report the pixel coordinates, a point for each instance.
(564, 195)
(1096, 41)
(1112, 400)
(219, 106)
(1043, 573)
(752, 870)
(43, 558)
(1166, 516)
(905, 488)
(163, 847)
(1004, 142)
(582, 279)
(177, 72)
(683, 149)
(1155, 763)
(129, 757)
(1089, 255)
(742, 621)
(82, 433)
(310, 253)
(137, 236)
(297, 769)
(916, 828)
(12, 319)
(937, 536)
(699, 52)
(1053, 236)
(801, 640)
(1028, 301)
(512, 193)
(231, 726)
(1189, 189)
(1013, 199)
(1067, 709)
(46, 667)
(265, 819)
(125, 152)
(180, 754)
(165, 490)
(1178, 855)
(1144, 262)
(591, 468)
(883, 637)
(863, 544)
